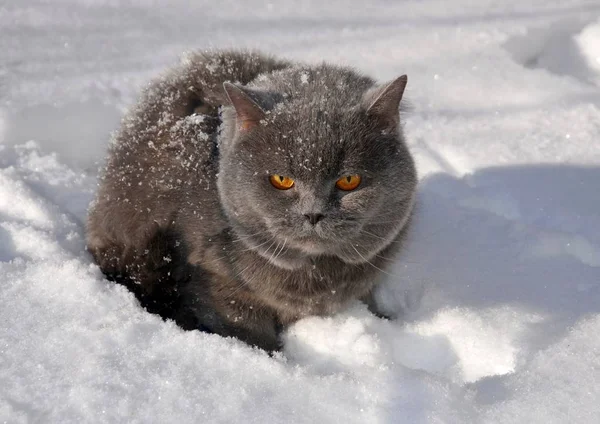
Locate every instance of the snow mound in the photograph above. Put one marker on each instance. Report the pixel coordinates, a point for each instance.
(461, 345)
(76, 131)
(566, 47)
(588, 41)
(553, 387)
(95, 355)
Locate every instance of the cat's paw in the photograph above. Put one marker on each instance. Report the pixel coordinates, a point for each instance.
(374, 309)
(381, 315)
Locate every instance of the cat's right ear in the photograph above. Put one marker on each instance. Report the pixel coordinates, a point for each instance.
(249, 114)
(384, 104)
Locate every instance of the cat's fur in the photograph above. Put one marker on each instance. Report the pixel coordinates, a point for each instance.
(186, 217)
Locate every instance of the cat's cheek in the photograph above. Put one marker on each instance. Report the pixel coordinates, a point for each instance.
(358, 202)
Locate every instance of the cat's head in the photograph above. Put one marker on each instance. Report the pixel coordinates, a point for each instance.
(314, 163)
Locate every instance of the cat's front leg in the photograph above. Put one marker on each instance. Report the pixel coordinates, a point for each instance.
(215, 304)
(245, 317)
(252, 323)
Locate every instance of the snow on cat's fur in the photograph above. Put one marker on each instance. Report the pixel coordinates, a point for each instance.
(187, 217)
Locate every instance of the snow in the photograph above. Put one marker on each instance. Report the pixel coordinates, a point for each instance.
(497, 295)
(588, 42)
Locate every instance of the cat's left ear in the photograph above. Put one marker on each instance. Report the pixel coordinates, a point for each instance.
(249, 114)
(385, 103)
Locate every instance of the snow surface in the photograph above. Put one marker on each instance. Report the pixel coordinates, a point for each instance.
(497, 294)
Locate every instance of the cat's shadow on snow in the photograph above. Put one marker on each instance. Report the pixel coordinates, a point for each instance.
(7, 247)
(520, 236)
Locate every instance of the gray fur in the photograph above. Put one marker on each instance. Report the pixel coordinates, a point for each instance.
(187, 218)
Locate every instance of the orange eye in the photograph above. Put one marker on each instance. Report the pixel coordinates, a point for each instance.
(280, 182)
(348, 182)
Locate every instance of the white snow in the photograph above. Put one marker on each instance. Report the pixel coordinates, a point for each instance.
(588, 42)
(497, 294)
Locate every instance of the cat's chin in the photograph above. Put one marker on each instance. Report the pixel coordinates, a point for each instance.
(301, 259)
(290, 263)
(293, 258)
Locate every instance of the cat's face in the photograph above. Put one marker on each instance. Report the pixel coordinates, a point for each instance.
(304, 182)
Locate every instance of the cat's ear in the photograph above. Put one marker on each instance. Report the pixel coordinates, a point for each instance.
(385, 103)
(249, 114)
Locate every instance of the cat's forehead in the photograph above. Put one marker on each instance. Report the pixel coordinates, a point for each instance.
(315, 84)
(316, 127)
(313, 147)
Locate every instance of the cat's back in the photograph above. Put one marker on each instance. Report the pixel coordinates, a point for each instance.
(172, 128)
(337, 85)
(163, 156)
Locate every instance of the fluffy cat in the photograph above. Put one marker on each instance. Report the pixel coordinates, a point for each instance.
(243, 193)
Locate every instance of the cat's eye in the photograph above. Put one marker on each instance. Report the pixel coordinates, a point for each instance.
(280, 182)
(348, 182)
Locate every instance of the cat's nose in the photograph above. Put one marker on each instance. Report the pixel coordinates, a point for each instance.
(313, 218)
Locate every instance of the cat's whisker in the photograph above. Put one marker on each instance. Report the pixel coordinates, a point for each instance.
(371, 222)
(393, 260)
(367, 233)
(247, 236)
(422, 237)
(228, 255)
(371, 234)
(257, 246)
(274, 251)
(374, 266)
(282, 247)
(381, 215)
(400, 241)
(241, 284)
(399, 260)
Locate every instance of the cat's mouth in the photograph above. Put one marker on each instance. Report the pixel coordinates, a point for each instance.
(287, 241)
(317, 240)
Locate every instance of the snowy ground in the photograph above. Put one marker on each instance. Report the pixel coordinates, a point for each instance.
(499, 289)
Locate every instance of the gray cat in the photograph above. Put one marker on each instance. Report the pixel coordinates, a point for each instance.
(243, 193)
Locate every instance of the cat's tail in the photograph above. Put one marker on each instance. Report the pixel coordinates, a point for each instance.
(205, 72)
(184, 102)
(196, 85)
